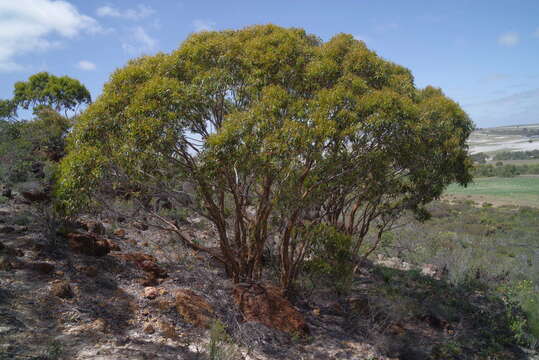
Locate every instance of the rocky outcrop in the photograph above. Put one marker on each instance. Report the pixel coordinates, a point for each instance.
(194, 308)
(266, 304)
(148, 264)
(90, 244)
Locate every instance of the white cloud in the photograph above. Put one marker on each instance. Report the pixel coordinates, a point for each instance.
(139, 42)
(86, 65)
(203, 25)
(140, 12)
(509, 39)
(29, 25)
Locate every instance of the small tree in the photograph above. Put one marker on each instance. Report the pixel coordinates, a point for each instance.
(55, 103)
(276, 129)
(63, 94)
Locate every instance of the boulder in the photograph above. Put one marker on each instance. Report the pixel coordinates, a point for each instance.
(266, 304)
(120, 233)
(89, 244)
(194, 308)
(146, 263)
(35, 195)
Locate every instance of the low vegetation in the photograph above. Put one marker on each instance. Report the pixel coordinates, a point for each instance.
(493, 248)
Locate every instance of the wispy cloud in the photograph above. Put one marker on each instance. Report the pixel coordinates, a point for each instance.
(536, 33)
(520, 107)
(203, 25)
(139, 12)
(30, 25)
(139, 42)
(509, 39)
(511, 99)
(86, 65)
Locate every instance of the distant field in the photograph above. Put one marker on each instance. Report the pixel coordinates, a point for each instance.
(505, 138)
(520, 190)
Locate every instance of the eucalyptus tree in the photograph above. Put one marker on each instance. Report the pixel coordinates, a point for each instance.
(277, 130)
(61, 93)
(55, 102)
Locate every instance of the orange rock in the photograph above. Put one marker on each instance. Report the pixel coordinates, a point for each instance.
(146, 263)
(119, 232)
(194, 308)
(267, 305)
(88, 244)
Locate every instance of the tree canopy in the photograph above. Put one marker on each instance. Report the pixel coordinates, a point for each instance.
(277, 130)
(61, 93)
(55, 103)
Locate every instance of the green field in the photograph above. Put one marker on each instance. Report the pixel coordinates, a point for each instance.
(520, 190)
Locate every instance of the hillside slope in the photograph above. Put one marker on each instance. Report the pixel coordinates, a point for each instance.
(150, 298)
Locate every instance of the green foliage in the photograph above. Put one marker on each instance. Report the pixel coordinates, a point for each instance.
(219, 346)
(522, 302)
(24, 143)
(499, 260)
(15, 153)
(8, 110)
(330, 259)
(268, 122)
(506, 170)
(59, 93)
(517, 155)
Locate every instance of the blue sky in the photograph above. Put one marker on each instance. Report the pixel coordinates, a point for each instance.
(483, 54)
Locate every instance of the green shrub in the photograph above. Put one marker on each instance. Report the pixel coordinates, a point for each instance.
(330, 260)
(219, 346)
(522, 301)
